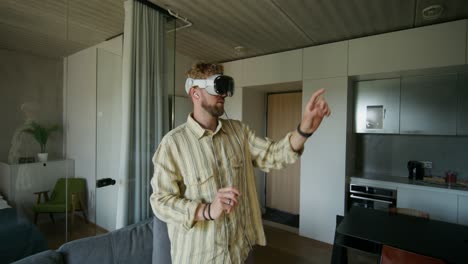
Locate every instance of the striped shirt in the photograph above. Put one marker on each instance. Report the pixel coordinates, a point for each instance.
(190, 165)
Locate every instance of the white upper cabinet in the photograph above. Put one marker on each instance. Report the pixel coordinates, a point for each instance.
(429, 105)
(462, 121)
(425, 47)
(275, 68)
(377, 108)
(326, 61)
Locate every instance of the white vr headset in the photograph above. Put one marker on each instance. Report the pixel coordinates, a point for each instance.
(217, 84)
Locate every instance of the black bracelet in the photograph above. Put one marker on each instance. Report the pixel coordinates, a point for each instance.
(209, 211)
(306, 135)
(204, 210)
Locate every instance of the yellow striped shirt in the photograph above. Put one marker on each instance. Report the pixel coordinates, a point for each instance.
(190, 165)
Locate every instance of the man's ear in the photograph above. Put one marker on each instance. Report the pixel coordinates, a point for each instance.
(194, 92)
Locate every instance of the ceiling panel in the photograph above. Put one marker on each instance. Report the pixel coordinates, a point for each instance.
(56, 28)
(22, 40)
(259, 26)
(334, 20)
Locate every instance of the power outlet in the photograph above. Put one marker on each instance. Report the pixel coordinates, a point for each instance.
(427, 164)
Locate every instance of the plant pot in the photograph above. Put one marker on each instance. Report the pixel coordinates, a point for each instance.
(42, 157)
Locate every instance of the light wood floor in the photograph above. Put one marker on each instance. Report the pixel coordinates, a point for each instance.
(56, 235)
(286, 247)
(282, 246)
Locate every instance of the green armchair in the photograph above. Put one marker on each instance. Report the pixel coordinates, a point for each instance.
(58, 202)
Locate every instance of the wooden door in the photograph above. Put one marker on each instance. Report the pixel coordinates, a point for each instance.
(282, 186)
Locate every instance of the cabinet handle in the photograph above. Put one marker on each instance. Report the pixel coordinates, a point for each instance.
(384, 112)
(370, 199)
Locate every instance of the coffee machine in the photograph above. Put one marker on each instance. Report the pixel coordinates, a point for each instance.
(415, 170)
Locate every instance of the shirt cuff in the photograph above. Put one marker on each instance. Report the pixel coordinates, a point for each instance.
(191, 214)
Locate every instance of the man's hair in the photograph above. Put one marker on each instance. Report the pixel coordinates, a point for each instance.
(203, 70)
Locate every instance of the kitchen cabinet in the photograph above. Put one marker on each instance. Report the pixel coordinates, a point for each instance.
(429, 105)
(439, 204)
(272, 69)
(93, 100)
(326, 61)
(377, 106)
(462, 118)
(462, 210)
(424, 47)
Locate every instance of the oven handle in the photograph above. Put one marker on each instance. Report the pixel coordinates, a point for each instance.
(369, 199)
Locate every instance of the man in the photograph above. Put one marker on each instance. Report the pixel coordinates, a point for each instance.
(203, 183)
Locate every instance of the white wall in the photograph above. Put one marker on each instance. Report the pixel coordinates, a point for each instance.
(323, 163)
(34, 79)
(254, 106)
(182, 65)
(233, 105)
(183, 107)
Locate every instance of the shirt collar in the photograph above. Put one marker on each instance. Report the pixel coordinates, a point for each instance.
(199, 130)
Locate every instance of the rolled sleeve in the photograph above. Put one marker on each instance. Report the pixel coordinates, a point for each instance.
(267, 154)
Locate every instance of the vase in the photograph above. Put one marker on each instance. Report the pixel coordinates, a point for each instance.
(42, 157)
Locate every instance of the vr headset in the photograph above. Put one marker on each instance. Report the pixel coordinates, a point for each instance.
(217, 84)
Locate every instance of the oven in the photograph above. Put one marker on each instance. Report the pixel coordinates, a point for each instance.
(371, 197)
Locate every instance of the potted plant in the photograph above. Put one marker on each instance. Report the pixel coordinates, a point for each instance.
(41, 134)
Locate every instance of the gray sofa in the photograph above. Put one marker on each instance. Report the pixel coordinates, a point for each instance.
(144, 242)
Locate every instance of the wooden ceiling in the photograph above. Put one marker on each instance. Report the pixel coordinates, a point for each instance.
(56, 28)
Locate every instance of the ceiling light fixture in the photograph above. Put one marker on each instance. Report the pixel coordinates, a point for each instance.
(432, 12)
(239, 50)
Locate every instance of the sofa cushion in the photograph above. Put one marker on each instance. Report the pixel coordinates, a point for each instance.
(131, 244)
(161, 242)
(44, 257)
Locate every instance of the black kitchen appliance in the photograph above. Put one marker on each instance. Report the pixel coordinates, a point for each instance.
(371, 197)
(415, 170)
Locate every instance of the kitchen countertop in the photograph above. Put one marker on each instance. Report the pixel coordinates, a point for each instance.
(396, 180)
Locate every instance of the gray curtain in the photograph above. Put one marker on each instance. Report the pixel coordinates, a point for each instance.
(145, 108)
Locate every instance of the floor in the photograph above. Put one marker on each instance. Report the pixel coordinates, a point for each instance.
(281, 217)
(55, 232)
(287, 247)
(282, 246)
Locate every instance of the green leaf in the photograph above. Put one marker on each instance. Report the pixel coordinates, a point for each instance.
(40, 133)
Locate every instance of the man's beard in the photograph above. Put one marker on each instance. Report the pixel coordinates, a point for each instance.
(214, 110)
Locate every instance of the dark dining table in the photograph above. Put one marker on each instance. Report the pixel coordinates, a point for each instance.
(369, 229)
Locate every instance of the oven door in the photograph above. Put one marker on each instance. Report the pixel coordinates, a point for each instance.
(368, 202)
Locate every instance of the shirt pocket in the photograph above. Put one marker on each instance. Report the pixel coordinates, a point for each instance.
(236, 170)
(236, 163)
(200, 177)
(200, 185)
